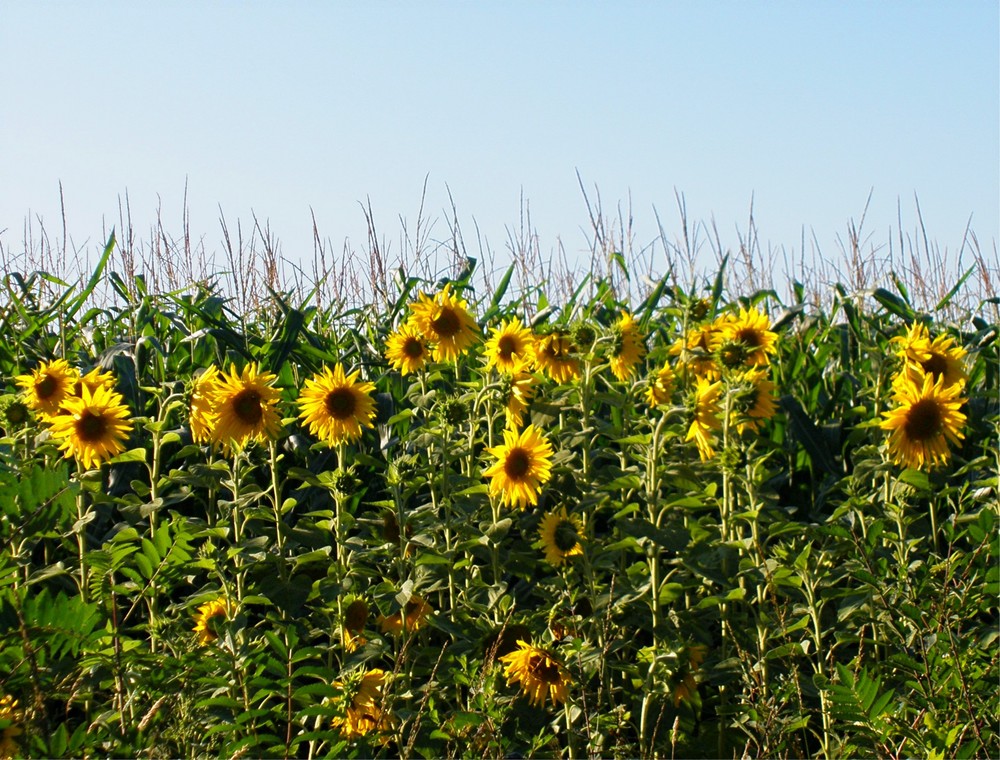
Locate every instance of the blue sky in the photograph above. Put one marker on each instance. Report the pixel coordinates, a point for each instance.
(276, 108)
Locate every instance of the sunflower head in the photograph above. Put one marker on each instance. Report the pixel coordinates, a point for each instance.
(208, 616)
(627, 347)
(93, 427)
(695, 352)
(538, 672)
(446, 323)
(515, 393)
(523, 465)
(355, 620)
(46, 387)
(15, 411)
(926, 418)
(556, 356)
(407, 350)
(704, 413)
(751, 329)
(560, 536)
(336, 406)
(359, 710)
(661, 385)
(753, 400)
(939, 357)
(12, 714)
(511, 347)
(411, 617)
(245, 404)
(203, 414)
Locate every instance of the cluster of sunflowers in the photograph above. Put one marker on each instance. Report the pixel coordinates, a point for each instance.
(927, 396)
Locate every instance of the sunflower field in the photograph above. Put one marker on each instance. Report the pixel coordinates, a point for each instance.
(448, 523)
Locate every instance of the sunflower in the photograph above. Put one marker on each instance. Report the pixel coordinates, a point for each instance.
(751, 331)
(203, 414)
(939, 357)
(515, 393)
(92, 427)
(360, 705)
(524, 464)
(660, 386)
(407, 349)
(445, 321)
(217, 608)
(628, 347)
(705, 416)
(511, 347)
(412, 617)
(925, 419)
(695, 351)
(540, 674)
(560, 535)
(754, 400)
(46, 387)
(9, 712)
(244, 405)
(554, 356)
(335, 406)
(355, 619)
(94, 379)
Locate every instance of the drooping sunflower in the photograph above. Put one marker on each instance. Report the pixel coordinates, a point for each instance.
(92, 427)
(554, 355)
(203, 414)
(203, 626)
(661, 385)
(355, 619)
(925, 420)
(560, 535)
(694, 351)
(407, 349)
(360, 705)
(939, 357)
(705, 416)
(751, 331)
(47, 386)
(336, 406)
(628, 347)
(754, 400)
(523, 466)
(446, 323)
(511, 347)
(412, 617)
(245, 406)
(516, 392)
(9, 711)
(540, 674)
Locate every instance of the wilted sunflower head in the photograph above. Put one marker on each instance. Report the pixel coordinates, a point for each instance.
(46, 387)
(336, 406)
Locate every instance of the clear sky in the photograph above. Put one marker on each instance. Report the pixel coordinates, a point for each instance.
(277, 108)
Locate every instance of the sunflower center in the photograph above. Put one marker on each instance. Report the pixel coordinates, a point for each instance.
(247, 406)
(517, 464)
(566, 536)
(545, 670)
(748, 337)
(340, 403)
(507, 346)
(447, 324)
(356, 616)
(91, 427)
(413, 348)
(935, 366)
(923, 420)
(47, 387)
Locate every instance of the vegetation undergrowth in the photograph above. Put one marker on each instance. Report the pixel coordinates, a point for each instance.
(694, 522)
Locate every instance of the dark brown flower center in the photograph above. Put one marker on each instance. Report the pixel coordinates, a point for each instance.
(47, 387)
(340, 403)
(447, 324)
(91, 427)
(517, 463)
(566, 536)
(356, 616)
(545, 670)
(936, 365)
(923, 420)
(749, 337)
(507, 346)
(413, 348)
(246, 405)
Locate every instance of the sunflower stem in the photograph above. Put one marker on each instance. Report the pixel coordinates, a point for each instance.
(279, 532)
